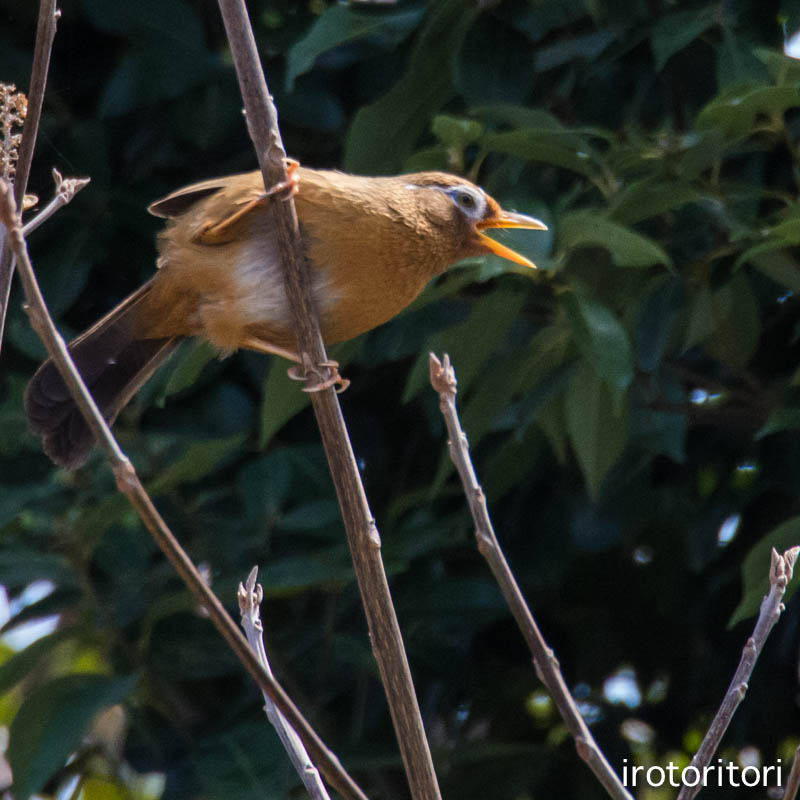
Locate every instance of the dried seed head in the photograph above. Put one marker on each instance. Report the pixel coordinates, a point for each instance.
(13, 108)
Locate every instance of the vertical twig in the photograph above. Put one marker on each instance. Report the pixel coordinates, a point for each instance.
(130, 485)
(250, 596)
(780, 573)
(45, 34)
(443, 379)
(362, 534)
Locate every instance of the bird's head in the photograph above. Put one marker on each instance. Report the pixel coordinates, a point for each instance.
(461, 212)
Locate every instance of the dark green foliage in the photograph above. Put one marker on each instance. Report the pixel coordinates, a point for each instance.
(631, 406)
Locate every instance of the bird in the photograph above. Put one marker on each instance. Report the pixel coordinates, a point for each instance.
(373, 244)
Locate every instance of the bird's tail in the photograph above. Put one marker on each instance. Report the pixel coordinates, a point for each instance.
(114, 363)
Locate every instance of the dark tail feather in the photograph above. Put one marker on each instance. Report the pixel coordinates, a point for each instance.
(113, 363)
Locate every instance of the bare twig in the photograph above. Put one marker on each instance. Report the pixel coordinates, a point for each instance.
(45, 34)
(793, 781)
(129, 484)
(250, 596)
(362, 534)
(780, 573)
(65, 191)
(443, 379)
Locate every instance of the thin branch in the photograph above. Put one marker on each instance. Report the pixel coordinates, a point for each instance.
(250, 596)
(780, 573)
(793, 781)
(362, 534)
(45, 34)
(65, 191)
(443, 379)
(129, 484)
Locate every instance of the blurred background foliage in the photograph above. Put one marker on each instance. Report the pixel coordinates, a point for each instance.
(633, 407)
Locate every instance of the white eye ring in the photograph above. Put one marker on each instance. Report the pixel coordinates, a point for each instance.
(468, 200)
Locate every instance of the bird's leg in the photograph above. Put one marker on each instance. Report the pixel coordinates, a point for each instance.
(304, 369)
(267, 348)
(219, 232)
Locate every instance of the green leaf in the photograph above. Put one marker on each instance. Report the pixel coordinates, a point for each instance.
(156, 69)
(782, 236)
(282, 400)
(456, 132)
(508, 465)
(756, 565)
(14, 436)
(737, 322)
(655, 431)
(675, 31)
(700, 325)
(187, 370)
(553, 422)
(429, 158)
(518, 116)
(783, 69)
(547, 147)
(781, 419)
(20, 566)
(23, 663)
(602, 340)
(62, 599)
(197, 461)
(263, 486)
(384, 133)
(657, 319)
(650, 197)
(659, 432)
(470, 343)
(701, 151)
(779, 266)
(288, 576)
(586, 46)
(175, 18)
(627, 249)
(52, 721)
(317, 513)
(736, 62)
(735, 110)
(339, 25)
(596, 430)
(788, 231)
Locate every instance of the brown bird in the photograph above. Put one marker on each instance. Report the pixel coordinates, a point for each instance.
(372, 243)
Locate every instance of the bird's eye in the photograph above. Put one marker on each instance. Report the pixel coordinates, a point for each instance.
(466, 200)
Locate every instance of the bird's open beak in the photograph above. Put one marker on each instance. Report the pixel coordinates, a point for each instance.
(507, 219)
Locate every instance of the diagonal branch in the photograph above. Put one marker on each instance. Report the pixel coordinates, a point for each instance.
(130, 485)
(250, 596)
(780, 573)
(45, 34)
(362, 534)
(443, 379)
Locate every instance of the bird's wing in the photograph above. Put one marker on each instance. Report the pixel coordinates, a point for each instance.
(212, 209)
(246, 186)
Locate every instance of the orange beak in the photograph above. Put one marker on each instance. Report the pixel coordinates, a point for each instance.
(507, 219)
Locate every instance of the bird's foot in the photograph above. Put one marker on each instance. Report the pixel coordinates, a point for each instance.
(289, 187)
(222, 231)
(318, 376)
